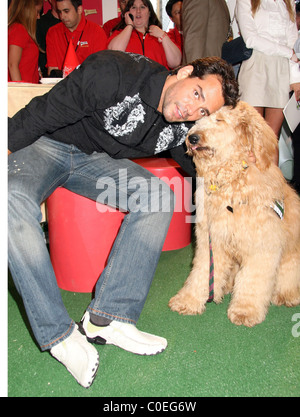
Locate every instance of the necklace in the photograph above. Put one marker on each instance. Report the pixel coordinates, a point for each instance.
(142, 40)
(78, 43)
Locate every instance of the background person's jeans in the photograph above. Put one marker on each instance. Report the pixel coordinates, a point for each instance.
(34, 173)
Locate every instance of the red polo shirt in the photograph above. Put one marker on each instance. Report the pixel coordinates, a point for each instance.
(87, 39)
(28, 66)
(149, 47)
(110, 24)
(176, 37)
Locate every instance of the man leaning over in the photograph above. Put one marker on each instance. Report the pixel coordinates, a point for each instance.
(113, 107)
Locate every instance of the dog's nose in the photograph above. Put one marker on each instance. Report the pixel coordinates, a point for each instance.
(194, 139)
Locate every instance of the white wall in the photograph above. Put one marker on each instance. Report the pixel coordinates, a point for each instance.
(109, 9)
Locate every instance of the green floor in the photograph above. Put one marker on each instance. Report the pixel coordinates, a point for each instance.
(207, 355)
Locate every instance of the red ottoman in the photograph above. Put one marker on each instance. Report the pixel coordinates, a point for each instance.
(81, 237)
(179, 234)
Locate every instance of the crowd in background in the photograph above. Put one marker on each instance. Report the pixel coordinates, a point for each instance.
(40, 41)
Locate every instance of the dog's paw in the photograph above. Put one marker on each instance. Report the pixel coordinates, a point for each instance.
(186, 305)
(246, 316)
(290, 300)
(218, 297)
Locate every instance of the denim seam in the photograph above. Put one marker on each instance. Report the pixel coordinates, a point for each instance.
(59, 338)
(14, 273)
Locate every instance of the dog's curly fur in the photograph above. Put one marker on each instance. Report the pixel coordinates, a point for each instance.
(256, 254)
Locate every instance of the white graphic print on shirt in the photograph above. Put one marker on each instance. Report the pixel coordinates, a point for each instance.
(133, 113)
(131, 106)
(175, 133)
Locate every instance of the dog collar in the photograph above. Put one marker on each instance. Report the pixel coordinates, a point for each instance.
(278, 207)
(244, 165)
(213, 187)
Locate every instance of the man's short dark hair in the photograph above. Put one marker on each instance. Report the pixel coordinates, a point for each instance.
(75, 3)
(217, 66)
(169, 6)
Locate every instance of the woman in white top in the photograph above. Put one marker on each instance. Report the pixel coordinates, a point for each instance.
(269, 27)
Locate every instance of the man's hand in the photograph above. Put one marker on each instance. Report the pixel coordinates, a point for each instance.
(8, 152)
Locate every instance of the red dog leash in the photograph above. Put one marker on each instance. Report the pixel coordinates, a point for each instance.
(211, 273)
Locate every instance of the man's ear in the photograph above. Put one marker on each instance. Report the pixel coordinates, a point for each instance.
(80, 10)
(184, 72)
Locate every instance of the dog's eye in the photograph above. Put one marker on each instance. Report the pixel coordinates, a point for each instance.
(219, 120)
(203, 112)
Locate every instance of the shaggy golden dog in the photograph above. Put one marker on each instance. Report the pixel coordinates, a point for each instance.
(250, 215)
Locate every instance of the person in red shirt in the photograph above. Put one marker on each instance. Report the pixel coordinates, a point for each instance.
(87, 36)
(140, 32)
(23, 50)
(111, 24)
(173, 9)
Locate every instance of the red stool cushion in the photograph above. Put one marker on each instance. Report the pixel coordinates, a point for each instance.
(179, 233)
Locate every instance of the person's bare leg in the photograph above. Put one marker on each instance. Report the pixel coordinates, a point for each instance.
(261, 111)
(274, 117)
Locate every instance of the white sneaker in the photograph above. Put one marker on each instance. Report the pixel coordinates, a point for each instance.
(79, 357)
(124, 335)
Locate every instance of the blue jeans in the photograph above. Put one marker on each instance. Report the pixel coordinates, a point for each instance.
(34, 173)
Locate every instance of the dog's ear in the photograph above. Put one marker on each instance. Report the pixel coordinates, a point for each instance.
(257, 136)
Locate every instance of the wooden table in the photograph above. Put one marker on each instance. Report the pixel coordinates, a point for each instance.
(18, 95)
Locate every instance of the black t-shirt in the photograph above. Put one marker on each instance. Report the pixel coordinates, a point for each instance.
(107, 104)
